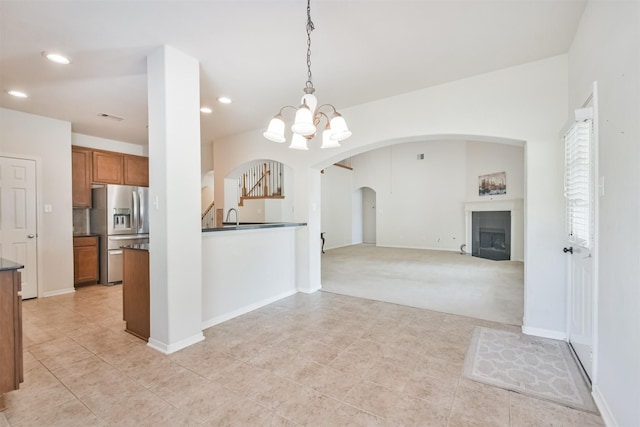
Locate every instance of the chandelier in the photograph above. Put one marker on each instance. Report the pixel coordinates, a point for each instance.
(308, 116)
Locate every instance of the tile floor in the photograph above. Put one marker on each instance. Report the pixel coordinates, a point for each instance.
(321, 360)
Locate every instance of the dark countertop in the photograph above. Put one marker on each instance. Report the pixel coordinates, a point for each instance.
(137, 246)
(86, 235)
(256, 226)
(6, 265)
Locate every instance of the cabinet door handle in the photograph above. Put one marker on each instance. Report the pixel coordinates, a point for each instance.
(31, 236)
(569, 249)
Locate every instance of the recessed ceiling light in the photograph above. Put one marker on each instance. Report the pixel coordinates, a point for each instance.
(224, 100)
(17, 94)
(206, 110)
(57, 58)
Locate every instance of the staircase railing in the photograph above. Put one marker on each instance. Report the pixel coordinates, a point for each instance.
(263, 181)
(208, 217)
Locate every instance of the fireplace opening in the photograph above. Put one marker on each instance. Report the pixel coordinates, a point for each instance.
(491, 235)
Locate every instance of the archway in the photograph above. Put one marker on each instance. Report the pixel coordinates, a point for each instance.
(422, 192)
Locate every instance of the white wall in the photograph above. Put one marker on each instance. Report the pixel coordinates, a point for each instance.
(524, 103)
(108, 144)
(206, 157)
(357, 218)
(484, 158)
(246, 269)
(206, 190)
(48, 141)
(606, 49)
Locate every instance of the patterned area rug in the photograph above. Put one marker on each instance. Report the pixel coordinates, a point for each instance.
(538, 367)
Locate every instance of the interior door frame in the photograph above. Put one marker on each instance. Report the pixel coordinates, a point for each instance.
(598, 191)
(39, 256)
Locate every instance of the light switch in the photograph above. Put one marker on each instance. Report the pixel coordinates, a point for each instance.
(48, 208)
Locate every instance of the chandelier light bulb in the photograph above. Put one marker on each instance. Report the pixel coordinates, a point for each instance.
(339, 128)
(298, 142)
(327, 142)
(275, 131)
(303, 124)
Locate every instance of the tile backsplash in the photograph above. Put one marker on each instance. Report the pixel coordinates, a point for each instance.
(80, 221)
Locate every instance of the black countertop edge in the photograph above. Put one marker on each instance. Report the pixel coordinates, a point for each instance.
(137, 246)
(256, 226)
(6, 265)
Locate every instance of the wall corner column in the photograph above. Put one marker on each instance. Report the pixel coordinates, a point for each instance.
(174, 200)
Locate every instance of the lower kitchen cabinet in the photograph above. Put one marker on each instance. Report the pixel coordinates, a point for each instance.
(135, 291)
(85, 260)
(11, 366)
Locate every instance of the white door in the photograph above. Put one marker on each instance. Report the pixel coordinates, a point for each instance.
(368, 215)
(18, 219)
(581, 215)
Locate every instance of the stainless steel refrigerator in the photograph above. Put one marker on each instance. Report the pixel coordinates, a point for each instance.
(119, 214)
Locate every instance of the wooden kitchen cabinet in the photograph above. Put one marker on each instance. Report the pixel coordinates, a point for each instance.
(81, 174)
(135, 291)
(108, 167)
(11, 366)
(136, 170)
(104, 167)
(85, 260)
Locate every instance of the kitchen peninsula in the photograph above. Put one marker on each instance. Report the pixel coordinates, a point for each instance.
(246, 267)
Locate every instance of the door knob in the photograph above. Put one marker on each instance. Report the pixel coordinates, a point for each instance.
(31, 236)
(569, 249)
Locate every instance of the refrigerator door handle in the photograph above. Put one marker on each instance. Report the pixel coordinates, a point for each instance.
(135, 224)
(139, 209)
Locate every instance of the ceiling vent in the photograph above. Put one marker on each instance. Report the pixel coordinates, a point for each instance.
(111, 117)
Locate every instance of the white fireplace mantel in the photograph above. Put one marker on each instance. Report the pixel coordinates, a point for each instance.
(515, 206)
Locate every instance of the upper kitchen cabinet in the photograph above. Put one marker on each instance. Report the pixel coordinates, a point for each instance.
(81, 177)
(91, 166)
(136, 170)
(108, 168)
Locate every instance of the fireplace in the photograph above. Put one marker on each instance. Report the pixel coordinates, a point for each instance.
(491, 235)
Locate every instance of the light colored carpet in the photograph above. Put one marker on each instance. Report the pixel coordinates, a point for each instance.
(535, 366)
(436, 280)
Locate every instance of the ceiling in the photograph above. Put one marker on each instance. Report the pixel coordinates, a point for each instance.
(255, 53)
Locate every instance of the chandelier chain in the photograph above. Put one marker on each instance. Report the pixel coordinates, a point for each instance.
(310, 27)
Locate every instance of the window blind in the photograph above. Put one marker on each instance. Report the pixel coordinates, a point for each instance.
(577, 185)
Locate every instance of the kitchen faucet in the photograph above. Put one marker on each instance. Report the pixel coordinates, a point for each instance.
(237, 217)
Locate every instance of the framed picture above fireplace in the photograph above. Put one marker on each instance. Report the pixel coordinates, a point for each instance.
(492, 184)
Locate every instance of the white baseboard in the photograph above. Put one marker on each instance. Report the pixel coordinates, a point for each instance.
(605, 411)
(244, 310)
(172, 348)
(60, 292)
(419, 247)
(544, 333)
(310, 291)
(328, 248)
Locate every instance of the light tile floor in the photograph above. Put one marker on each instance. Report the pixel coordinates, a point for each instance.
(321, 360)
